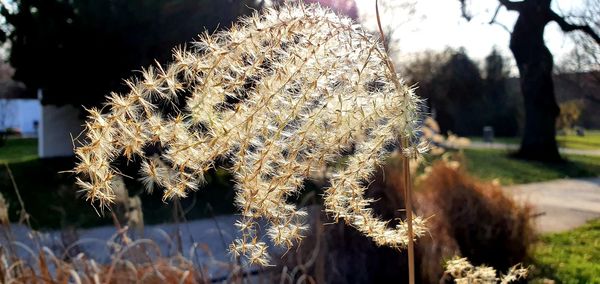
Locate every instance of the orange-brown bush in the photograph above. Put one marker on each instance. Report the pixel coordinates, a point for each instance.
(470, 218)
(467, 217)
(337, 253)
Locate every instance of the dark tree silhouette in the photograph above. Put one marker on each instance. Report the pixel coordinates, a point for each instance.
(452, 86)
(456, 97)
(77, 51)
(535, 63)
(500, 105)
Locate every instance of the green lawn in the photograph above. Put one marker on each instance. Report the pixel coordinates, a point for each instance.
(505, 140)
(491, 164)
(572, 257)
(18, 150)
(591, 140)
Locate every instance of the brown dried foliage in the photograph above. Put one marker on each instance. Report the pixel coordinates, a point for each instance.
(471, 218)
(467, 217)
(335, 253)
(50, 269)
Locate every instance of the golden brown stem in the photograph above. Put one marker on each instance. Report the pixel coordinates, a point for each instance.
(409, 215)
(405, 170)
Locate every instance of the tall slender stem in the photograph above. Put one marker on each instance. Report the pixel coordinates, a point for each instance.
(405, 168)
(24, 215)
(409, 213)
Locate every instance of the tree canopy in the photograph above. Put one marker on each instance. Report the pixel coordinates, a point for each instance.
(77, 51)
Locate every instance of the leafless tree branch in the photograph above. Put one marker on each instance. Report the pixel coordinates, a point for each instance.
(568, 27)
(463, 10)
(510, 5)
(493, 20)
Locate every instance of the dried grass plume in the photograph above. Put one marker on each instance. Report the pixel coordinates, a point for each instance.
(462, 271)
(280, 94)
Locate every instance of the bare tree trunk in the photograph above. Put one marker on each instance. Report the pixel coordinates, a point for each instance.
(535, 67)
(541, 109)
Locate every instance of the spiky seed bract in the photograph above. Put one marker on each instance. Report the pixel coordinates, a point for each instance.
(280, 94)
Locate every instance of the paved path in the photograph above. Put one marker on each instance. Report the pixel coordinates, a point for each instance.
(505, 146)
(562, 204)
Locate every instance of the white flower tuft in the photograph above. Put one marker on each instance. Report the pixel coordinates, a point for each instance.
(282, 94)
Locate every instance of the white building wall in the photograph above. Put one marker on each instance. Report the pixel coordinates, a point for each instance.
(21, 114)
(58, 126)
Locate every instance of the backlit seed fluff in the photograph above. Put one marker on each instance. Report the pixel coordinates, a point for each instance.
(280, 94)
(463, 272)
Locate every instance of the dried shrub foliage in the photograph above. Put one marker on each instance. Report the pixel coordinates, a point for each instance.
(334, 253)
(117, 259)
(279, 94)
(465, 217)
(50, 269)
(470, 218)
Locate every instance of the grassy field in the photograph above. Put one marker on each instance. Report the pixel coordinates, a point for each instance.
(505, 140)
(491, 164)
(572, 257)
(591, 140)
(18, 150)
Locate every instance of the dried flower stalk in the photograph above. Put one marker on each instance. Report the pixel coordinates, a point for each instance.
(462, 271)
(280, 94)
(4, 220)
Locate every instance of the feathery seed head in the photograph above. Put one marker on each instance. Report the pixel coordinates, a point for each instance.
(462, 271)
(282, 93)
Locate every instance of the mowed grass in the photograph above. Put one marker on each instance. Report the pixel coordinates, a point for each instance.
(571, 257)
(491, 164)
(590, 141)
(504, 140)
(18, 150)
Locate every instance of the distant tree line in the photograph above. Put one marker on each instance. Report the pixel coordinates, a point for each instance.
(464, 97)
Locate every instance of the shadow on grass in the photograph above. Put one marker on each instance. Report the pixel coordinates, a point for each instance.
(53, 201)
(50, 198)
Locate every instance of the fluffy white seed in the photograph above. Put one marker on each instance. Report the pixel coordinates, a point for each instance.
(282, 94)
